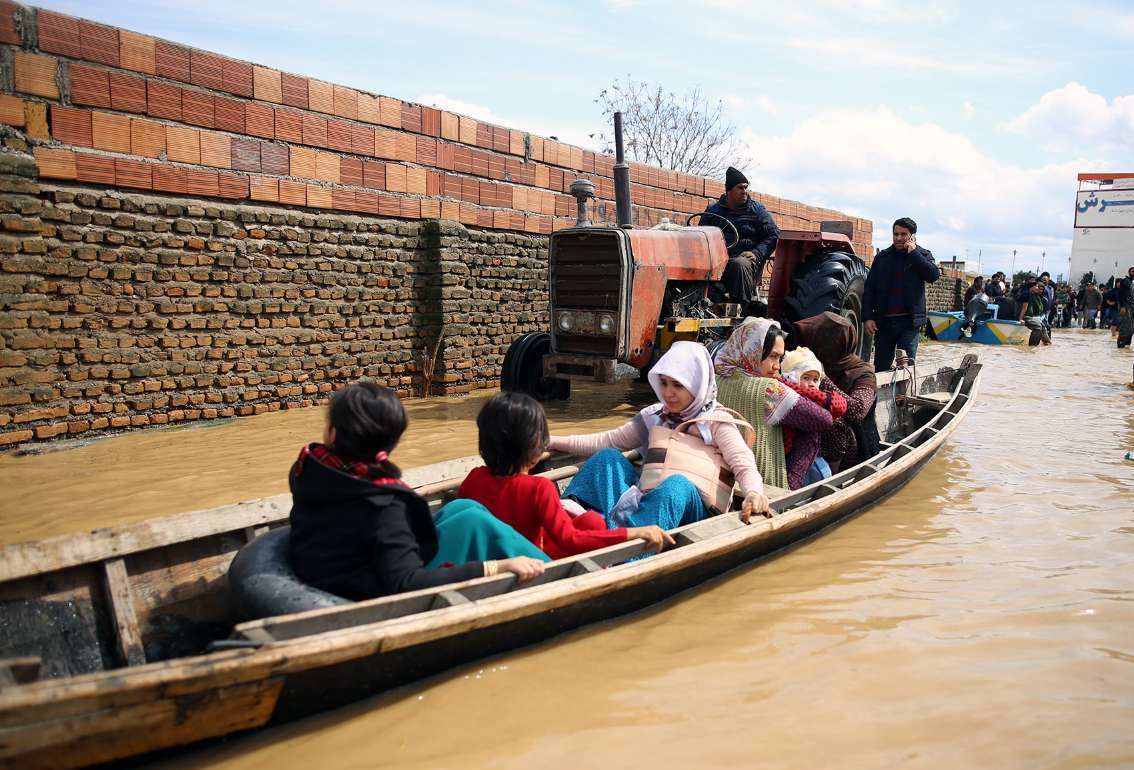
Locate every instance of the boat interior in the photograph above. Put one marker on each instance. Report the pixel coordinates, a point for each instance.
(157, 591)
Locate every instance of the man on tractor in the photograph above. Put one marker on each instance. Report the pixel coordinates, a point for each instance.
(753, 241)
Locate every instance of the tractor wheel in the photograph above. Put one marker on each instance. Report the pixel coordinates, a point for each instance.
(832, 281)
(522, 371)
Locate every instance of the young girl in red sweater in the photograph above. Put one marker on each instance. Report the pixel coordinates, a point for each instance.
(513, 437)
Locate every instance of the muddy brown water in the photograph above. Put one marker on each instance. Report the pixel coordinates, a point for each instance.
(981, 617)
(131, 477)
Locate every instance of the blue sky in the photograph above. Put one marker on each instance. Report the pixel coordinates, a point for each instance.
(973, 118)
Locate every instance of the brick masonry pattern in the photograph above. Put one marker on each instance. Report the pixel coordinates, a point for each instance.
(187, 236)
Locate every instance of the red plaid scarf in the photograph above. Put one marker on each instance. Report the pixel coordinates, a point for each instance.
(372, 472)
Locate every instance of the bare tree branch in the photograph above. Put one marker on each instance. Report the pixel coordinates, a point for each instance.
(685, 133)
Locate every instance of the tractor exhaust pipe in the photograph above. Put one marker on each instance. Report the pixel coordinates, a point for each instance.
(621, 177)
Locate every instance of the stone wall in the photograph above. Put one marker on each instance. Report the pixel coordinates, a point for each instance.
(941, 294)
(124, 310)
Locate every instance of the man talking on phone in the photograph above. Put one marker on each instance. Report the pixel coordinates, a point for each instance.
(893, 302)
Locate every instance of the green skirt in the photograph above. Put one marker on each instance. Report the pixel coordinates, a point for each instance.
(467, 531)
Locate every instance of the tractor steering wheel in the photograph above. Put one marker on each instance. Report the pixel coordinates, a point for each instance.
(731, 226)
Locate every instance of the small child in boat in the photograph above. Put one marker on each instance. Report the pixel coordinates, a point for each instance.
(513, 436)
(358, 531)
(802, 371)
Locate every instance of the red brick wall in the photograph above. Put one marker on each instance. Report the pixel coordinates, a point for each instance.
(131, 111)
(195, 237)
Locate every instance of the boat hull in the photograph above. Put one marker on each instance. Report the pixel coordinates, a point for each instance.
(302, 664)
(947, 328)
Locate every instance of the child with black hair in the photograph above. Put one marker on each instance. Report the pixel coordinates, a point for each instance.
(358, 531)
(513, 437)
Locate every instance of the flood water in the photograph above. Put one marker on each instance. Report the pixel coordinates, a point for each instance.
(136, 476)
(981, 617)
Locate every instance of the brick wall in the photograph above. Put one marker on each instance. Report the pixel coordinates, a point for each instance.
(943, 294)
(186, 235)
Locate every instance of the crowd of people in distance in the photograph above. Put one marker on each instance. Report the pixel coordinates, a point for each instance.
(1048, 304)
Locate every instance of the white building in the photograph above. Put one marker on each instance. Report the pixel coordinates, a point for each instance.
(1104, 226)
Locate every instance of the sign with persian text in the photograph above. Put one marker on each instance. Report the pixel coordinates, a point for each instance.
(1104, 208)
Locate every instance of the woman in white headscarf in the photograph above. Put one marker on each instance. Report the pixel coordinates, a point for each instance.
(685, 384)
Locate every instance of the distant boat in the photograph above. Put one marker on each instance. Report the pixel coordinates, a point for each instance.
(946, 327)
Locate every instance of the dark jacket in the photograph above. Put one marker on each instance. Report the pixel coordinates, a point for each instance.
(1091, 299)
(757, 229)
(359, 539)
(917, 269)
(1125, 288)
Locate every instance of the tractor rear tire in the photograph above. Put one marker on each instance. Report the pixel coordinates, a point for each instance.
(522, 371)
(832, 281)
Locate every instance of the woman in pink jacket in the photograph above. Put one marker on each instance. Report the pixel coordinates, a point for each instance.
(685, 384)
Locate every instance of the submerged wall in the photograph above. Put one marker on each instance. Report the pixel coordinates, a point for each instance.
(189, 236)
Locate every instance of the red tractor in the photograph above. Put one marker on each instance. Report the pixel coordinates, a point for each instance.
(622, 296)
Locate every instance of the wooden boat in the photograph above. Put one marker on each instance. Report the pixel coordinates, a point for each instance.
(85, 613)
(946, 327)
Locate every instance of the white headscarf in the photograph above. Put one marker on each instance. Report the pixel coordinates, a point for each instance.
(688, 363)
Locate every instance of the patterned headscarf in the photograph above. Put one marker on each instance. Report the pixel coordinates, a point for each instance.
(744, 349)
(741, 354)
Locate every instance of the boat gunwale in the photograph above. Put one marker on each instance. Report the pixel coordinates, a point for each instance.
(31, 558)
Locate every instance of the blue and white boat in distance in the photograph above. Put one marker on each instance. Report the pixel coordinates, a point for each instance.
(945, 326)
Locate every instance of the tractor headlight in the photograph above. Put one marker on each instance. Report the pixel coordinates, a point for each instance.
(606, 324)
(566, 322)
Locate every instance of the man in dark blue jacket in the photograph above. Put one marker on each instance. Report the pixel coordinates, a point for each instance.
(758, 236)
(893, 303)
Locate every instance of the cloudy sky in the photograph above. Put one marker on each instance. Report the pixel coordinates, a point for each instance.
(971, 117)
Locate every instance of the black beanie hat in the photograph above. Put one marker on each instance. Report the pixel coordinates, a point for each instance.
(733, 177)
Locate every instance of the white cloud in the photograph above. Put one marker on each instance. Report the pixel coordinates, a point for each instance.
(763, 103)
(877, 164)
(880, 53)
(968, 109)
(1072, 116)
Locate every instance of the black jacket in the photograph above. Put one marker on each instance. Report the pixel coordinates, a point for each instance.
(917, 269)
(757, 229)
(356, 539)
(1125, 286)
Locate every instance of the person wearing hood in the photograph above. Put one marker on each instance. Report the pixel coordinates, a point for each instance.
(758, 236)
(359, 532)
(684, 383)
(834, 341)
